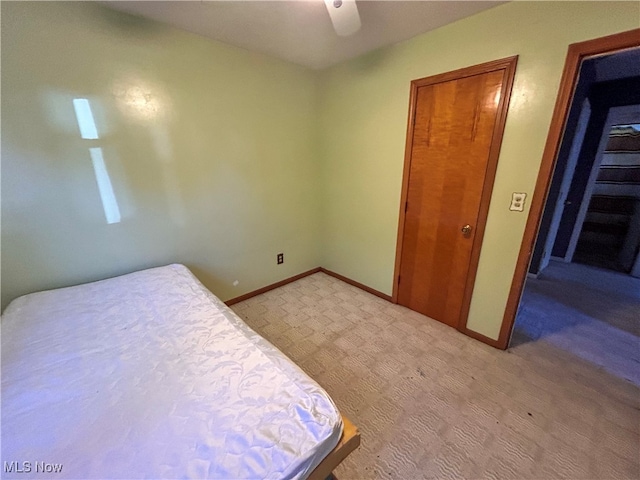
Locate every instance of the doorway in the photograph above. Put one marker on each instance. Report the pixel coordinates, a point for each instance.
(595, 189)
(575, 107)
(455, 129)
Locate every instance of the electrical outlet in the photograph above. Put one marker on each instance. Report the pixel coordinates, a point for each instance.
(280, 258)
(517, 202)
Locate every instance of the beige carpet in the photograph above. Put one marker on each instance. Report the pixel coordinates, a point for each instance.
(433, 403)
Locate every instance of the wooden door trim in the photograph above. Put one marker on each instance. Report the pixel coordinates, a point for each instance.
(576, 53)
(509, 67)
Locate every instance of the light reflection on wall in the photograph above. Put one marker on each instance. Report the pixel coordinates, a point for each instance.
(140, 100)
(108, 197)
(88, 130)
(162, 144)
(146, 103)
(86, 123)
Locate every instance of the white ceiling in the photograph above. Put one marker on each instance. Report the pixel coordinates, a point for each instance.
(300, 31)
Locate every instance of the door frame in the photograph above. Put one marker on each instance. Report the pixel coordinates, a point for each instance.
(567, 179)
(575, 54)
(509, 66)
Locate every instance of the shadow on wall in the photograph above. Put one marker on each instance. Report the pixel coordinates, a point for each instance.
(130, 25)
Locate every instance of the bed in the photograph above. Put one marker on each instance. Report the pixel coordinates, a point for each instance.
(149, 375)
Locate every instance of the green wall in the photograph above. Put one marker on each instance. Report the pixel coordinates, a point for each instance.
(220, 158)
(364, 106)
(210, 151)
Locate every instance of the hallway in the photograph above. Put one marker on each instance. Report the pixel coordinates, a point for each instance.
(586, 311)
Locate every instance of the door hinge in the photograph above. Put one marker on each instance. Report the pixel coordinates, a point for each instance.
(398, 279)
(406, 206)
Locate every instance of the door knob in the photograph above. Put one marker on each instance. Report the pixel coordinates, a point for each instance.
(466, 230)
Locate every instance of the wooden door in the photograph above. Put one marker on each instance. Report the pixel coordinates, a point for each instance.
(456, 124)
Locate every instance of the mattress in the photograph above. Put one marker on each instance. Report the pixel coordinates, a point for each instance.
(149, 375)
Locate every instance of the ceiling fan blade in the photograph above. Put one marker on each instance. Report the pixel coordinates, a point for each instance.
(344, 16)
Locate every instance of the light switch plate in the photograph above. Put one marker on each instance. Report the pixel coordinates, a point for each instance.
(517, 202)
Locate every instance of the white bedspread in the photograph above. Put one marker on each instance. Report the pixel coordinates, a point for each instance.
(149, 375)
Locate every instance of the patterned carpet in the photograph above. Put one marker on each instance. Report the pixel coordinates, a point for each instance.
(433, 403)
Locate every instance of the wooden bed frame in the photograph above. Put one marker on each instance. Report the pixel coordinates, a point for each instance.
(349, 441)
